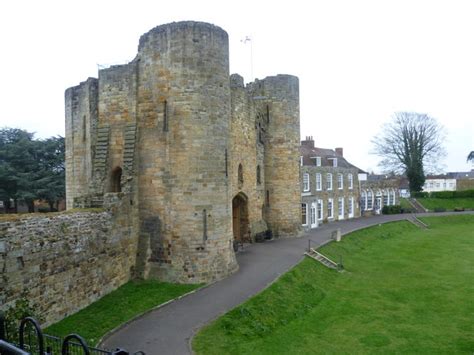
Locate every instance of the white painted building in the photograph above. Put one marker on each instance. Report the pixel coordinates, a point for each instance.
(439, 183)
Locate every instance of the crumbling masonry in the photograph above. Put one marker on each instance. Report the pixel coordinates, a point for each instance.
(200, 159)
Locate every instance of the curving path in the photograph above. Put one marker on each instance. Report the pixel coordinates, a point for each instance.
(168, 330)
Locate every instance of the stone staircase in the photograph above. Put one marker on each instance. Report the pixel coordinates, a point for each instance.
(101, 151)
(414, 220)
(129, 148)
(417, 206)
(312, 253)
(100, 165)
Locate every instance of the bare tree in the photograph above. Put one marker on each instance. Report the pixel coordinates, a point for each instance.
(470, 157)
(408, 144)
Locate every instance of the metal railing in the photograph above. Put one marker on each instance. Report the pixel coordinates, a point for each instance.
(32, 340)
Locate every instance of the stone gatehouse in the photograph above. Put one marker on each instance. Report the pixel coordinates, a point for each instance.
(200, 158)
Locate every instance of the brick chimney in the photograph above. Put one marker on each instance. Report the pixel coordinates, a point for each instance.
(339, 151)
(308, 142)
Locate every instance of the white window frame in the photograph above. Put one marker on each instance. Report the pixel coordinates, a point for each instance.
(340, 208)
(350, 212)
(385, 197)
(304, 207)
(334, 162)
(312, 215)
(330, 208)
(370, 201)
(329, 181)
(340, 181)
(363, 196)
(350, 179)
(306, 182)
(394, 198)
(318, 161)
(320, 210)
(319, 182)
(301, 160)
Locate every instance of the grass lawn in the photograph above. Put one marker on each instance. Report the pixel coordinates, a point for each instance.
(119, 306)
(405, 290)
(405, 204)
(448, 203)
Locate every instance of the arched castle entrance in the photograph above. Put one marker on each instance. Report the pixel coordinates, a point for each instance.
(240, 217)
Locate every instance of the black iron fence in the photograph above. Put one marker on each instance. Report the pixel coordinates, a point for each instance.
(31, 340)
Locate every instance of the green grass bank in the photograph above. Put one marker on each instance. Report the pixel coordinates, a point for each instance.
(116, 308)
(404, 290)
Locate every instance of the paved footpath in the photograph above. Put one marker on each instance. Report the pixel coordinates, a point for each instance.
(168, 330)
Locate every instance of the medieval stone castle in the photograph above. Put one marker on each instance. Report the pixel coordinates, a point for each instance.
(195, 159)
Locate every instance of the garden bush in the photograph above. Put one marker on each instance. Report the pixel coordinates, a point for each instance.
(420, 194)
(395, 209)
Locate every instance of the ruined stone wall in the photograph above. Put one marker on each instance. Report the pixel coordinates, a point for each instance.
(64, 261)
(81, 127)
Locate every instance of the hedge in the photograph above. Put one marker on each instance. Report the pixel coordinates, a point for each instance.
(445, 194)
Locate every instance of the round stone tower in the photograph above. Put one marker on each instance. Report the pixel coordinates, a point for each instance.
(183, 125)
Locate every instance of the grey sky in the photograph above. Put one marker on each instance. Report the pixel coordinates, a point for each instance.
(358, 61)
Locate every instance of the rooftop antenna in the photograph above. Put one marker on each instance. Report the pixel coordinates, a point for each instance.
(246, 40)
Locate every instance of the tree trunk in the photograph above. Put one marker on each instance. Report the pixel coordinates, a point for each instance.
(31, 206)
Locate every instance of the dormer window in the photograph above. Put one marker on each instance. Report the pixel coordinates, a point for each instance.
(317, 161)
(334, 162)
(301, 161)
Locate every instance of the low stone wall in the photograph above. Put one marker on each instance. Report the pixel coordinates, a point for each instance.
(64, 261)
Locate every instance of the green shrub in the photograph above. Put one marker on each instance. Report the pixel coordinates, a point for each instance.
(408, 210)
(440, 209)
(22, 309)
(443, 194)
(395, 209)
(464, 193)
(452, 194)
(420, 194)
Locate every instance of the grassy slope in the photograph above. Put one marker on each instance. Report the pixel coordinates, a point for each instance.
(448, 203)
(404, 290)
(117, 307)
(404, 203)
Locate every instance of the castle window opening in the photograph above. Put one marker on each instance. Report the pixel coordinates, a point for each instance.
(165, 116)
(115, 181)
(259, 180)
(240, 176)
(226, 162)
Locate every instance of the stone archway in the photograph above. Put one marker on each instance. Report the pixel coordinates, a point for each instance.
(240, 217)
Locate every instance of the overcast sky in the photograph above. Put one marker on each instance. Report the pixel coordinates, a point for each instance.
(358, 61)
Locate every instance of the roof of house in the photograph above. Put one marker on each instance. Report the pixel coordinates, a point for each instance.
(308, 151)
(461, 175)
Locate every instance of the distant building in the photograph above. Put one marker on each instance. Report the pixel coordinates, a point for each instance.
(329, 185)
(464, 179)
(378, 191)
(439, 183)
